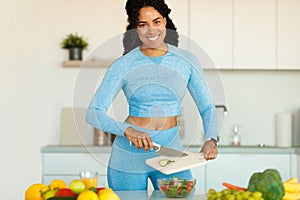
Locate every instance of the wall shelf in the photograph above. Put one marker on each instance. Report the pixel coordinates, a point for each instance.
(89, 63)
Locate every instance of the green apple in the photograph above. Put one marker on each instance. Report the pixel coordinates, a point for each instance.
(49, 194)
(77, 186)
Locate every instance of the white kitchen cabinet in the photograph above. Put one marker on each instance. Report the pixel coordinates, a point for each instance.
(234, 165)
(67, 166)
(199, 174)
(288, 34)
(238, 168)
(254, 34)
(211, 29)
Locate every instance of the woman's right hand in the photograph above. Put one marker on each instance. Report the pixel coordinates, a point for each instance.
(139, 139)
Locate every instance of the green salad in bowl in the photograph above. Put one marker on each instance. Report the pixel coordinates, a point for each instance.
(176, 187)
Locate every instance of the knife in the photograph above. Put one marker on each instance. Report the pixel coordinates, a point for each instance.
(165, 151)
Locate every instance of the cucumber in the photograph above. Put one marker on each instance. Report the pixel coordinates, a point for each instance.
(165, 162)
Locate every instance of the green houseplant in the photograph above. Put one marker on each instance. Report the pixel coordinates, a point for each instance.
(75, 44)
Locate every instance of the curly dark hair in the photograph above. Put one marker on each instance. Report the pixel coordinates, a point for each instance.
(131, 39)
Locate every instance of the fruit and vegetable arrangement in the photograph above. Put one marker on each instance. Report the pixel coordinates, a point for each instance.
(76, 190)
(176, 187)
(266, 185)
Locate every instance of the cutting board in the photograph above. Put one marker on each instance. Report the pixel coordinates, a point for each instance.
(181, 163)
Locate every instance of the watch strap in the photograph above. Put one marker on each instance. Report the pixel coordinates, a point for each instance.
(212, 139)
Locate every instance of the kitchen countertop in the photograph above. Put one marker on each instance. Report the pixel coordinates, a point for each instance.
(154, 195)
(194, 148)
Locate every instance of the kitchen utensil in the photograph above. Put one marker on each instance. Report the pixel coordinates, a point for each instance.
(180, 163)
(165, 151)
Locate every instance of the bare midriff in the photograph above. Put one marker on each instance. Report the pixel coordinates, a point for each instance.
(156, 123)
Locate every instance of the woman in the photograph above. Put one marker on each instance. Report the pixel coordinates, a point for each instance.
(154, 75)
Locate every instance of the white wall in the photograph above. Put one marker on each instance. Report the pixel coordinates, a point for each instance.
(253, 98)
(35, 87)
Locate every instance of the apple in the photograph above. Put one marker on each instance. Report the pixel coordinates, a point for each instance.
(77, 186)
(49, 194)
(65, 192)
(99, 188)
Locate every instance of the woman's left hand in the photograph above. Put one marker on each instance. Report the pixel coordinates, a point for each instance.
(209, 149)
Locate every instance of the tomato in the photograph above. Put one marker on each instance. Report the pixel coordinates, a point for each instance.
(164, 188)
(189, 184)
(189, 188)
(179, 190)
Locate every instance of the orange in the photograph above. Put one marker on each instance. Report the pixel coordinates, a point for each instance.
(108, 196)
(57, 184)
(36, 191)
(87, 195)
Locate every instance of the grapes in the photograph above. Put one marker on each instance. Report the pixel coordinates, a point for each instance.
(227, 194)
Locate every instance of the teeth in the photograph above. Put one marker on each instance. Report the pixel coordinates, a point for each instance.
(153, 38)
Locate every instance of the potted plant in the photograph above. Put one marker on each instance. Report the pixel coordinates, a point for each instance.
(75, 44)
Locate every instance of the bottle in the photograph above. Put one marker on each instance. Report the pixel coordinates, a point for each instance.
(100, 138)
(180, 124)
(236, 140)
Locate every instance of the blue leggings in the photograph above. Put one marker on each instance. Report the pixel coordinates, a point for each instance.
(127, 165)
(120, 180)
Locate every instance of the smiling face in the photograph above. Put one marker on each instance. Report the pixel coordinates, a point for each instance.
(151, 28)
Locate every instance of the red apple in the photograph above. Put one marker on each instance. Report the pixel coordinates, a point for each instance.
(99, 188)
(65, 192)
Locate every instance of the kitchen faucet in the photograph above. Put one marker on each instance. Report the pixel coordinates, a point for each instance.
(224, 108)
(224, 113)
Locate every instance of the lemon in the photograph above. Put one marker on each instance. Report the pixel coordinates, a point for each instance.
(57, 184)
(87, 195)
(105, 190)
(108, 196)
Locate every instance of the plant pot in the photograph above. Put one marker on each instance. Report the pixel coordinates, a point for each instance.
(75, 53)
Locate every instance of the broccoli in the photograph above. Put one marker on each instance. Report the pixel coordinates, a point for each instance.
(269, 183)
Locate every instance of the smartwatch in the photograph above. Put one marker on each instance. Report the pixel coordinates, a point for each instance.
(212, 139)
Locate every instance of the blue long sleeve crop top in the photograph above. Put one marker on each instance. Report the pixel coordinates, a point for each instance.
(154, 87)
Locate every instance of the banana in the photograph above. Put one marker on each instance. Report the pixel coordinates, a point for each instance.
(291, 196)
(291, 187)
(292, 180)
